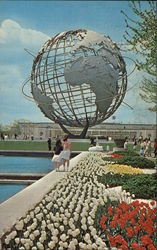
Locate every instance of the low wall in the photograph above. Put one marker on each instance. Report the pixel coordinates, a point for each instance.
(32, 153)
(16, 207)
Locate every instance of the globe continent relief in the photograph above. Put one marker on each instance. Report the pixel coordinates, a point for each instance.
(78, 78)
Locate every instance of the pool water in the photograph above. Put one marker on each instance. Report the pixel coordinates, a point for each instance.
(20, 164)
(8, 190)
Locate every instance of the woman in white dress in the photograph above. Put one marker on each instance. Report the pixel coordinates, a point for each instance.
(65, 154)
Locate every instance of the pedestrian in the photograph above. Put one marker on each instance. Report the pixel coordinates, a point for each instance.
(92, 142)
(49, 143)
(57, 153)
(126, 144)
(142, 147)
(147, 151)
(155, 147)
(134, 143)
(65, 154)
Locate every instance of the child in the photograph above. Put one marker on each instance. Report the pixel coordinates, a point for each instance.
(57, 152)
(65, 155)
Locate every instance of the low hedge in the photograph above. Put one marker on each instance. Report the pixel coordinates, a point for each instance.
(114, 180)
(143, 186)
(127, 152)
(136, 161)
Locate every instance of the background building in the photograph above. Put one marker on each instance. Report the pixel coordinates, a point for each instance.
(41, 131)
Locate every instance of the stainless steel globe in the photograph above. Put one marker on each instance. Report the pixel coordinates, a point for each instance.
(78, 79)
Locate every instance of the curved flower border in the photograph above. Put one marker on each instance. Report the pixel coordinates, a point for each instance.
(64, 218)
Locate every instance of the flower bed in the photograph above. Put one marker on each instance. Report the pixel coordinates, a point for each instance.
(123, 169)
(136, 161)
(130, 226)
(65, 217)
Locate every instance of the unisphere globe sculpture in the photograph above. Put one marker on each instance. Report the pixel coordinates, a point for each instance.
(78, 79)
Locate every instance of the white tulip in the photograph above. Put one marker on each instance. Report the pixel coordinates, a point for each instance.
(61, 228)
(35, 220)
(37, 209)
(69, 232)
(83, 221)
(59, 203)
(36, 233)
(23, 241)
(40, 246)
(7, 240)
(68, 215)
(17, 240)
(55, 206)
(99, 241)
(54, 238)
(56, 232)
(32, 214)
(49, 205)
(26, 233)
(89, 246)
(32, 236)
(51, 244)
(94, 246)
(27, 246)
(60, 248)
(19, 225)
(65, 245)
(62, 209)
(56, 224)
(65, 222)
(82, 246)
(84, 227)
(48, 221)
(48, 198)
(71, 220)
(63, 237)
(71, 246)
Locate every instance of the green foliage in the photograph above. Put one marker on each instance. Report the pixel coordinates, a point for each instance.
(141, 36)
(114, 180)
(142, 186)
(127, 152)
(136, 161)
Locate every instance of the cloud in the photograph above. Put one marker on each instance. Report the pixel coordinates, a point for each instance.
(12, 32)
(15, 67)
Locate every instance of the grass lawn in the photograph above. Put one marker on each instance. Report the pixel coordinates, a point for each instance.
(42, 145)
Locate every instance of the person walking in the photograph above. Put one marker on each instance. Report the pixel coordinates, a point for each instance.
(57, 151)
(134, 143)
(155, 147)
(49, 143)
(142, 147)
(65, 155)
(126, 144)
(147, 151)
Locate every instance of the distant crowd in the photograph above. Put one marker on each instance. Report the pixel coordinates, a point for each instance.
(145, 145)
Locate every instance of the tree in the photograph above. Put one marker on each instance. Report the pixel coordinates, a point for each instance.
(141, 36)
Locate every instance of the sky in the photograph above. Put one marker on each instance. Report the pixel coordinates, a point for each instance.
(28, 24)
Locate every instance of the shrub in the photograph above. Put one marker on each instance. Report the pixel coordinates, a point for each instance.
(142, 186)
(113, 180)
(136, 161)
(127, 152)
